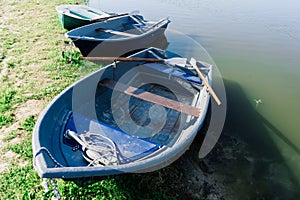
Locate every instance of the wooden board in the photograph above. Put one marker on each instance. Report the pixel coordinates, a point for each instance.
(116, 32)
(153, 98)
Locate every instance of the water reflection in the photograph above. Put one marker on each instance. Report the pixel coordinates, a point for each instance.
(279, 134)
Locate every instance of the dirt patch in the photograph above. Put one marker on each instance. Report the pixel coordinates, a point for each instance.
(9, 155)
(29, 108)
(4, 167)
(4, 131)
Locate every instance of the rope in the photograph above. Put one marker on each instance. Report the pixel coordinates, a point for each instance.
(101, 144)
(56, 194)
(49, 154)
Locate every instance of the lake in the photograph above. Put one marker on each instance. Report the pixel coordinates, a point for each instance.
(256, 47)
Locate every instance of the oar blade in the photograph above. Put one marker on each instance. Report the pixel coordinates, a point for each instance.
(176, 61)
(193, 61)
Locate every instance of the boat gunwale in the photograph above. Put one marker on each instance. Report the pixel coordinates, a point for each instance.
(165, 22)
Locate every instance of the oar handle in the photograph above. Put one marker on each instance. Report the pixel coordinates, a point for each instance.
(105, 18)
(121, 59)
(210, 90)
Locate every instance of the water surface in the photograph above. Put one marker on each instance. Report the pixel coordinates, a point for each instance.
(256, 45)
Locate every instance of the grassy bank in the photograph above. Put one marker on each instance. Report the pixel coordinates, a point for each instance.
(33, 71)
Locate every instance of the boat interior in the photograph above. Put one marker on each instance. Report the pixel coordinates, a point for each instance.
(138, 107)
(119, 27)
(134, 108)
(84, 12)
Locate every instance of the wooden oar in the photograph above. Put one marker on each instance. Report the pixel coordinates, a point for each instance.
(171, 61)
(156, 24)
(210, 90)
(178, 61)
(121, 59)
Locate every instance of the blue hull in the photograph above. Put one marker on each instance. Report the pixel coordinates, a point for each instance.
(118, 36)
(147, 136)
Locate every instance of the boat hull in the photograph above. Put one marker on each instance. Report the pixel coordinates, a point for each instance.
(70, 23)
(94, 45)
(74, 16)
(86, 101)
(92, 48)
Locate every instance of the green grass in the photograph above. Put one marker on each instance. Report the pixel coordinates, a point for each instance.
(28, 124)
(21, 183)
(156, 185)
(33, 68)
(6, 101)
(5, 120)
(24, 149)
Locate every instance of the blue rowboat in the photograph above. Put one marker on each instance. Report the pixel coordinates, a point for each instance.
(118, 35)
(73, 16)
(132, 116)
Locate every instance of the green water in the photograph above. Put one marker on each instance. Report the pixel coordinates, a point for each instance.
(256, 46)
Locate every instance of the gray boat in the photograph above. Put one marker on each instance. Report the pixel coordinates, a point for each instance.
(118, 35)
(133, 116)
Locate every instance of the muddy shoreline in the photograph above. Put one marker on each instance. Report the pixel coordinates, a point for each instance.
(232, 171)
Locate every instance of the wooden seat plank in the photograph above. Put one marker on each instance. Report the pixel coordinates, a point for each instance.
(117, 32)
